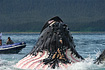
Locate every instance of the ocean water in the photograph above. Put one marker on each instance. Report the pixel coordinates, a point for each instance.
(88, 45)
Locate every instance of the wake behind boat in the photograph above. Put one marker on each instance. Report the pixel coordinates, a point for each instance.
(12, 48)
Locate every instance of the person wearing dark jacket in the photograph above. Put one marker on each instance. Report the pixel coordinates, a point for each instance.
(9, 41)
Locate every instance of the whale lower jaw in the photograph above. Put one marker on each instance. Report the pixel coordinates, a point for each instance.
(36, 62)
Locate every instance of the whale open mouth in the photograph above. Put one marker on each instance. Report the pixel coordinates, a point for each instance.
(55, 48)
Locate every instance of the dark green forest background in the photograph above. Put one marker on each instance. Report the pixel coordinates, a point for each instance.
(31, 15)
(98, 26)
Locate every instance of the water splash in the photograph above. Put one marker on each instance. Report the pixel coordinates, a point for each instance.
(87, 64)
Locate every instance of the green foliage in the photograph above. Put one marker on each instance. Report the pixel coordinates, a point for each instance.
(98, 26)
(36, 27)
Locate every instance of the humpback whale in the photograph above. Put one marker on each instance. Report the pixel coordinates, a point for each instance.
(55, 48)
(101, 58)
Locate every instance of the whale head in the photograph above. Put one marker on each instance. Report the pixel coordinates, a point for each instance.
(101, 58)
(55, 48)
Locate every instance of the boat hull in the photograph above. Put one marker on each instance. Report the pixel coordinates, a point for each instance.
(13, 48)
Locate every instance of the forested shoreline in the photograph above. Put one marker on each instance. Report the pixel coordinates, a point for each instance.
(97, 26)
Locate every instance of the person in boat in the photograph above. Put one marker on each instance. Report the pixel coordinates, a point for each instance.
(0, 38)
(9, 41)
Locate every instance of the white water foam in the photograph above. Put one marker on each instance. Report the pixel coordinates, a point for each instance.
(5, 65)
(87, 64)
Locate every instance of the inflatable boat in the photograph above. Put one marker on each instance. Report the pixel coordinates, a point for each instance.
(12, 48)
